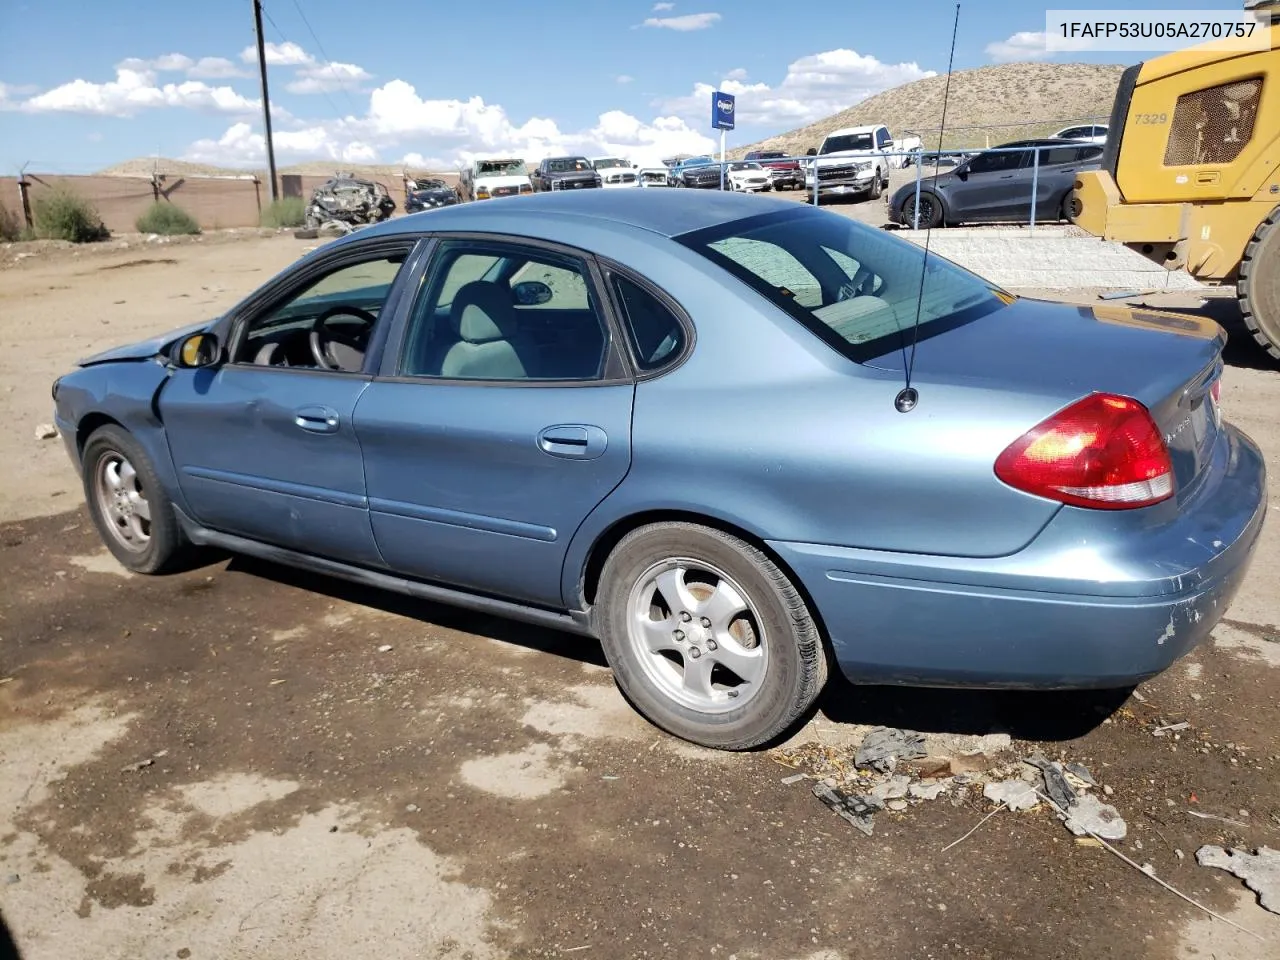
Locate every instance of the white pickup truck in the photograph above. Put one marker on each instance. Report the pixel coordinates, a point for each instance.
(852, 161)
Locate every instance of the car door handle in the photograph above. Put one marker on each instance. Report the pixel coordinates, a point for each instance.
(316, 419)
(573, 441)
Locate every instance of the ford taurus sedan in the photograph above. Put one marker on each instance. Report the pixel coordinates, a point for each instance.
(669, 422)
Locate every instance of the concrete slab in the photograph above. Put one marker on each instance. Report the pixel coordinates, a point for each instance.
(1050, 257)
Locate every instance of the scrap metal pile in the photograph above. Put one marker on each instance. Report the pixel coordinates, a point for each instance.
(345, 202)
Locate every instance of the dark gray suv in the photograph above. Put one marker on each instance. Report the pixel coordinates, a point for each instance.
(996, 186)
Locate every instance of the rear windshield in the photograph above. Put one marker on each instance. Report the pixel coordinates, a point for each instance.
(855, 287)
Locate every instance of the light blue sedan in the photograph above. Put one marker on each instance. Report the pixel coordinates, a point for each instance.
(670, 421)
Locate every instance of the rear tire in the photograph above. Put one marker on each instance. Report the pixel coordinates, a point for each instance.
(129, 505)
(1258, 288)
(707, 637)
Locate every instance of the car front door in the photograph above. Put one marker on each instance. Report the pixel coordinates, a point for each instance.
(264, 443)
(990, 187)
(500, 418)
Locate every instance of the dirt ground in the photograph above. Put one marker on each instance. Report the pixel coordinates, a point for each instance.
(229, 762)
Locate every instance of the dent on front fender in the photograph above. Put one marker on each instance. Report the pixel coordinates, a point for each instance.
(126, 393)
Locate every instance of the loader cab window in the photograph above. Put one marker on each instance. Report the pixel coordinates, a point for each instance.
(1213, 125)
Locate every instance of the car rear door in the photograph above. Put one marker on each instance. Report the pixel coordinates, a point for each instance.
(269, 451)
(500, 418)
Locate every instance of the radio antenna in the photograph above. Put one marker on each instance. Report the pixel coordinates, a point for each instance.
(908, 397)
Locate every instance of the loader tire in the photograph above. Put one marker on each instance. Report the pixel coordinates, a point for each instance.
(1258, 288)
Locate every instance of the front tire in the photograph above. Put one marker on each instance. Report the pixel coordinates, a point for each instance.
(877, 187)
(707, 637)
(129, 505)
(1259, 286)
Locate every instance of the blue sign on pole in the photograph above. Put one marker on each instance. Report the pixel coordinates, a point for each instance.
(722, 110)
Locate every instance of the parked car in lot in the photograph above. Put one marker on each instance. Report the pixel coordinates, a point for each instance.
(616, 172)
(653, 177)
(427, 193)
(784, 172)
(698, 172)
(1089, 132)
(476, 406)
(486, 179)
(996, 185)
(851, 161)
(747, 176)
(565, 173)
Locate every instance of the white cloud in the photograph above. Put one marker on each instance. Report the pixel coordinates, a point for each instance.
(1024, 45)
(330, 76)
(215, 68)
(663, 6)
(689, 21)
(814, 87)
(206, 68)
(624, 79)
(287, 54)
(448, 133)
(136, 89)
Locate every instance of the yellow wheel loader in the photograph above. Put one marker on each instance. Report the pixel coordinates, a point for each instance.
(1190, 174)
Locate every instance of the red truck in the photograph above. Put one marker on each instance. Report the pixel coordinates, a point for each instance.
(783, 172)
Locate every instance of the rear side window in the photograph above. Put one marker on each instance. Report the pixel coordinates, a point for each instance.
(656, 334)
(1059, 155)
(1213, 125)
(854, 287)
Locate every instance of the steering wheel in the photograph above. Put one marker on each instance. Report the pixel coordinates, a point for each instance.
(323, 340)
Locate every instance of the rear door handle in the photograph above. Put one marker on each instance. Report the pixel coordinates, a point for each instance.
(573, 441)
(316, 419)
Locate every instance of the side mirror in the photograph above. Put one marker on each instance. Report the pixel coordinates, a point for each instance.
(530, 293)
(197, 350)
(887, 144)
(811, 152)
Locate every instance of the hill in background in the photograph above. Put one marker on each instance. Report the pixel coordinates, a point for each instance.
(1040, 97)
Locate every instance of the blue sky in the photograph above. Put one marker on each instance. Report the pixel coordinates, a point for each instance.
(441, 82)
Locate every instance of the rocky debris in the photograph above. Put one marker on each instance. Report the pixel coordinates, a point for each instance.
(1260, 871)
(385, 648)
(883, 747)
(921, 791)
(46, 431)
(1081, 773)
(1089, 815)
(895, 788)
(140, 765)
(930, 767)
(1170, 728)
(856, 810)
(1014, 794)
(1055, 780)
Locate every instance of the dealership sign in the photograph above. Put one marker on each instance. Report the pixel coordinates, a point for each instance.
(722, 110)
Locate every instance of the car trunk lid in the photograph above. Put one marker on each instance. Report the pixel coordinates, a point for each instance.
(1169, 362)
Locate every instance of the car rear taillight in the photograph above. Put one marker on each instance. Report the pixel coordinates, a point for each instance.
(1104, 451)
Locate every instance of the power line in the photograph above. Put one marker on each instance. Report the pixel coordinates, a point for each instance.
(328, 62)
(337, 114)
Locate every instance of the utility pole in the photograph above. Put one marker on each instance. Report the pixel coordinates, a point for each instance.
(266, 102)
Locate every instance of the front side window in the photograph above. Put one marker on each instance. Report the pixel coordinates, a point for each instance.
(333, 315)
(855, 287)
(499, 311)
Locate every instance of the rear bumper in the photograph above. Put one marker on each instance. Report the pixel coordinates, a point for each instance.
(1067, 612)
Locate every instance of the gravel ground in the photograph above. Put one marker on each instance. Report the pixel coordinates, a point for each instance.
(243, 761)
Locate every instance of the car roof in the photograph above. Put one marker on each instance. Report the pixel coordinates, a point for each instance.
(846, 130)
(667, 213)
